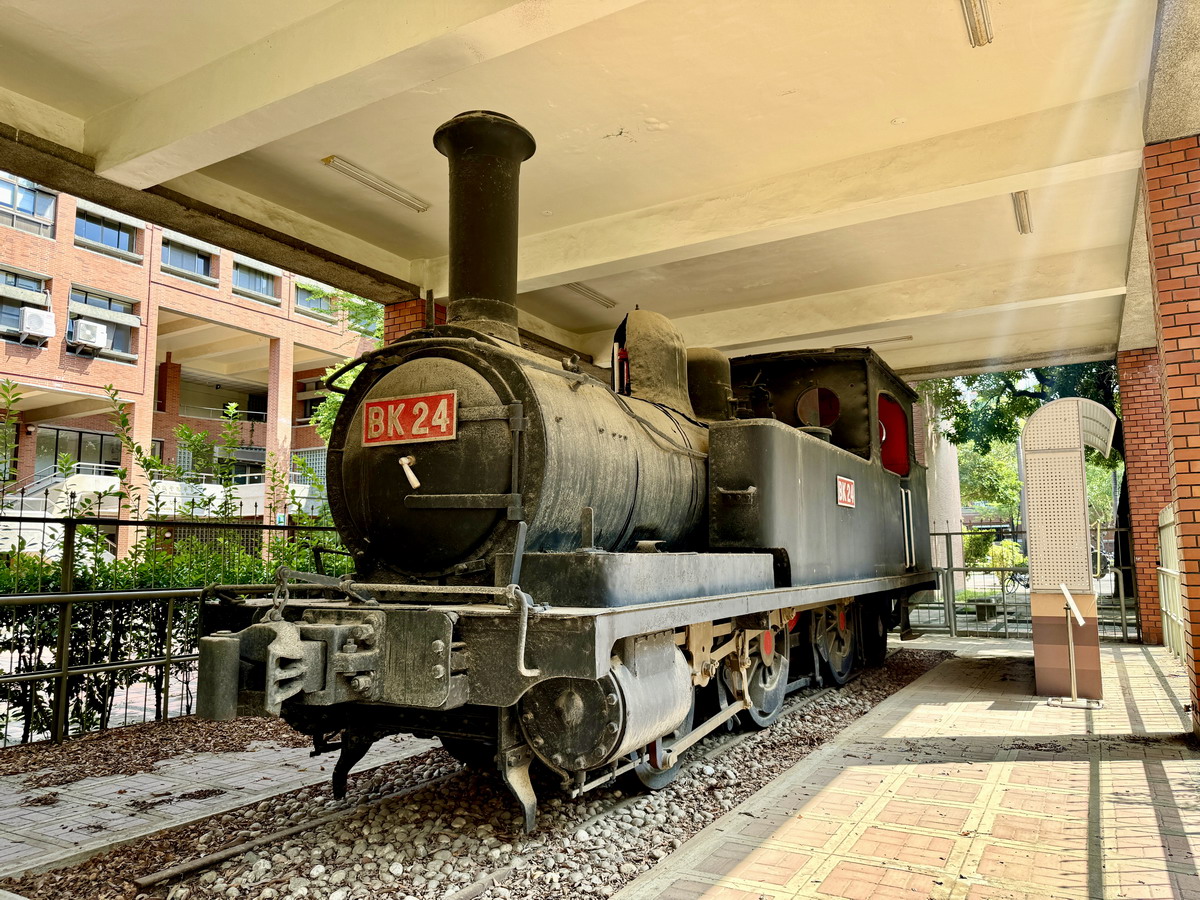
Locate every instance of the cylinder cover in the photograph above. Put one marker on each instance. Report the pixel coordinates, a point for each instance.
(575, 724)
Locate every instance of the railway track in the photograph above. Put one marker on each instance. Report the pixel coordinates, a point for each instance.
(710, 748)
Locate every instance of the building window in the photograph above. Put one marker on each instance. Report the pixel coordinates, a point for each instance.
(101, 302)
(11, 306)
(253, 281)
(99, 230)
(312, 301)
(119, 337)
(186, 259)
(26, 206)
(28, 282)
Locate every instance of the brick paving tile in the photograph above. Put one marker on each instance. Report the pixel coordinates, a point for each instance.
(690, 889)
(903, 846)
(862, 881)
(825, 803)
(1051, 869)
(923, 815)
(932, 788)
(804, 832)
(994, 892)
(1067, 776)
(1045, 803)
(748, 863)
(1065, 834)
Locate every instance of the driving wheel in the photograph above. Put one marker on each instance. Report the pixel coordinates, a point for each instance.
(834, 638)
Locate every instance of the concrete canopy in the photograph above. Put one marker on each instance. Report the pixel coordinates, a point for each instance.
(771, 175)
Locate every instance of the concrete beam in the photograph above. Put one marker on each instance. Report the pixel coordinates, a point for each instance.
(60, 168)
(913, 303)
(1044, 148)
(343, 58)
(218, 348)
(70, 409)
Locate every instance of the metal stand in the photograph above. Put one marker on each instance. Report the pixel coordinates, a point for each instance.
(1070, 610)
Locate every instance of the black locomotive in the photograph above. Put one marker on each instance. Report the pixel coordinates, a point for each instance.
(592, 574)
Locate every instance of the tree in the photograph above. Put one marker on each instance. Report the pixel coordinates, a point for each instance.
(992, 407)
(990, 477)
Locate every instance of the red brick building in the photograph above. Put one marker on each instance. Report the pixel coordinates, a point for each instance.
(91, 298)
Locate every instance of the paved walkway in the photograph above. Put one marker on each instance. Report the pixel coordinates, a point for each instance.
(963, 785)
(94, 814)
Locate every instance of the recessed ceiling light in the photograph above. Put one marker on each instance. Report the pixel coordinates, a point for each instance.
(979, 24)
(1021, 210)
(376, 183)
(595, 296)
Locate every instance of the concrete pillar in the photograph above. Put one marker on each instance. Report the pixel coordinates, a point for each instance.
(281, 391)
(1147, 474)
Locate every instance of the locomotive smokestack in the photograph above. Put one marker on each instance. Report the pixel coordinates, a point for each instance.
(485, 150)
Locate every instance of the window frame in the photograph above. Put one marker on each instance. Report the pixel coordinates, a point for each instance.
(43, 224)
(131, 254)
(206, 278)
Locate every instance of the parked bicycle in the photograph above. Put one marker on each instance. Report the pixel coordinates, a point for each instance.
(1016, 579)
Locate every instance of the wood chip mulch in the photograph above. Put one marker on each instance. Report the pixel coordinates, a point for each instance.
(133, 749)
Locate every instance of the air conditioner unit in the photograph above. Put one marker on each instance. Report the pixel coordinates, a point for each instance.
(93, 335)
(37, 324)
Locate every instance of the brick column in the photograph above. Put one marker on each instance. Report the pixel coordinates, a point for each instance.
(408, 315)
(1171, 176)
(1147, 473)
(281, 391)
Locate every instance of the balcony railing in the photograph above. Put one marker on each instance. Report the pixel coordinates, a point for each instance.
(210, 412)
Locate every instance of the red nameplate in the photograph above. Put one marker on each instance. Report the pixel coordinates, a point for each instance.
(403, 420)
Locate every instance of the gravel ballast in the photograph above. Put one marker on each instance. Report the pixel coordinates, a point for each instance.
(461, 836)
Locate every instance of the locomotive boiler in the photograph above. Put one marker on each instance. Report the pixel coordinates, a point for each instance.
(588, 573)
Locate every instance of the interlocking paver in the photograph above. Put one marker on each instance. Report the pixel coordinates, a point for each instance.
(96, 813)
(965, 787)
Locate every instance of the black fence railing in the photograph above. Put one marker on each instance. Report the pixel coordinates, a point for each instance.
(100, 626)
(984, 588)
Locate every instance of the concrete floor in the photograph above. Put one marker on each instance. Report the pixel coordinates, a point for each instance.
(964, 785)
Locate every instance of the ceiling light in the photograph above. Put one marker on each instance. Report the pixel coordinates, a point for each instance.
(979, 24)
(375, 183)
(1021, 209)
(595, 296)
(875, 343)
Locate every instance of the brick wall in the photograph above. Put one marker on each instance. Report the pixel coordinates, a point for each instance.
(1171, 173)
(1147, 473)
(409, 315)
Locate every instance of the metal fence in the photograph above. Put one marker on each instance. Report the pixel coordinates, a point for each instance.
(982, 599)
(101, 627)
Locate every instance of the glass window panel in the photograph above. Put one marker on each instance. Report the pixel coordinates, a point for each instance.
(44, 205)
(10, 315)
(120, 337)
(6, 193)
(89, 451)
(110, 450)
(45, 452)
(25, 198)
(110, 234)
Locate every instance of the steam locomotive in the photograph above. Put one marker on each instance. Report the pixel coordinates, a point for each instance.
(593, 575)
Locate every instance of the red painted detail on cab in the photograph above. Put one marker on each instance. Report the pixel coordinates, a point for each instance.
(405, 420)
(845, 491)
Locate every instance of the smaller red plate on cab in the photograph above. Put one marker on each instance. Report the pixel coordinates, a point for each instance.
(405, 420)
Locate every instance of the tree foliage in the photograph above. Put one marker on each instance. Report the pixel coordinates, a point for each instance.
(990, 478)
(361, 315)
(992, 407)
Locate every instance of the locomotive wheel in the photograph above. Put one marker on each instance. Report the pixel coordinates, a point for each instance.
(767, 682)
(652, 778)
(876, 622)
(472, 754)
(836, 642)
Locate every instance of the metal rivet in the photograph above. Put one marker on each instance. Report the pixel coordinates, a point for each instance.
(438, 646)
(539, 741)
(439, 671)
(611, 727)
